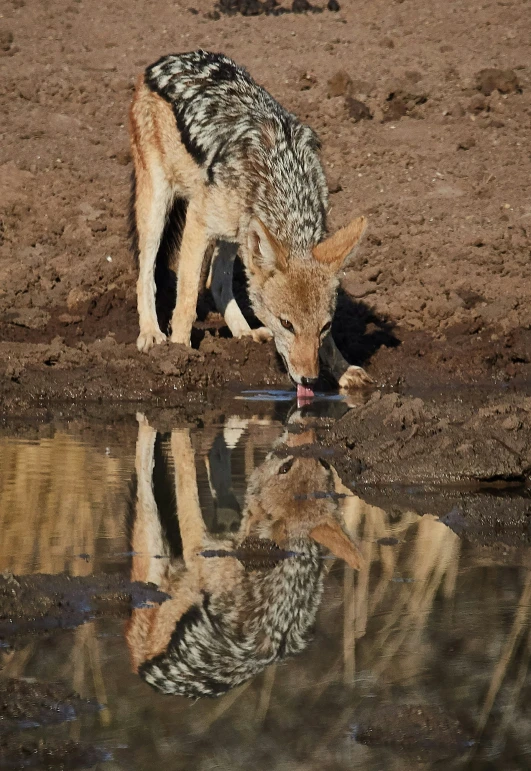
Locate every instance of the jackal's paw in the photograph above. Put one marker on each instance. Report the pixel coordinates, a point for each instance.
(261, 335)
(355, 377)
(141, 419)
(144, 429)
(147, 340)
(183, 338)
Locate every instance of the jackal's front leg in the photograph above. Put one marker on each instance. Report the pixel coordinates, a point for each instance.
(347, 375)
(191, 522)
(221, 278)
(147, 538)
(194, 244)
(152, 199)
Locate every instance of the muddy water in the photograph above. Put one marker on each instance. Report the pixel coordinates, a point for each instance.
(306, 628)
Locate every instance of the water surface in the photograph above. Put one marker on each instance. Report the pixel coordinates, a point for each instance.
(289, 659)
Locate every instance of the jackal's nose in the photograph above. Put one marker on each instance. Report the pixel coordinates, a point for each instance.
(309, 382)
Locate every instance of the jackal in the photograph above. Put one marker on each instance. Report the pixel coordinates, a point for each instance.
(210, 143)
(227, 620)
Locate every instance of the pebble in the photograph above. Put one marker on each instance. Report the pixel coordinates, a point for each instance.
(357, 110)
(491, 79)
(339, 84)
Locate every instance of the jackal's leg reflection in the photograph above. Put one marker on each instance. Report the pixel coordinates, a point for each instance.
(150, 628)
(225, 623)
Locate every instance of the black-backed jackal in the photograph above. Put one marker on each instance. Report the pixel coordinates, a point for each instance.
(208, 140)
(226, 620)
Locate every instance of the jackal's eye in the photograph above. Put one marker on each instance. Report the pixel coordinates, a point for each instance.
(287, 325)
(327, 327)
(286, 466)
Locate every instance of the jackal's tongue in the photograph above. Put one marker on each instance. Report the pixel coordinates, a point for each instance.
(304, 394)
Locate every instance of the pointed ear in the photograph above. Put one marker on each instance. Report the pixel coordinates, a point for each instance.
(337, 249)
(266, 255)
(331, 535)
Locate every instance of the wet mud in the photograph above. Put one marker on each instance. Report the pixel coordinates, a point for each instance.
(17, 753)
(44, 603)
(28, 704)
(418, 728)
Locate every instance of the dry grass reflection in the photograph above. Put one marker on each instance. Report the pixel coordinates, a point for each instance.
(58, 496)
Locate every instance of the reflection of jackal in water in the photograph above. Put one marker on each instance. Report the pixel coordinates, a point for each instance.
(225, 623)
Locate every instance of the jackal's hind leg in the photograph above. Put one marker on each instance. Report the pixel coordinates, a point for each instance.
(152, 201)
(347, 375)
(222, 292)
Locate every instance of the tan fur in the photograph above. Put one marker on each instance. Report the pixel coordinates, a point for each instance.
(278, 506)
(336, 248)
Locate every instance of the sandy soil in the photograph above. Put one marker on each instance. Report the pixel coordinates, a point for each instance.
(434, 151)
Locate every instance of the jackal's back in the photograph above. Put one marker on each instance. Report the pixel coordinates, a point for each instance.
(244, 139)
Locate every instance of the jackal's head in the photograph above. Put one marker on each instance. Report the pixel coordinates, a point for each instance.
(294, 296)
(293, 498)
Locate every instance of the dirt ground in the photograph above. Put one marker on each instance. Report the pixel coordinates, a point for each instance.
(424, 114)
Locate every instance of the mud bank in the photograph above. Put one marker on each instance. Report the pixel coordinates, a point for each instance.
(27, 704)
(64, 375)
(41, 603)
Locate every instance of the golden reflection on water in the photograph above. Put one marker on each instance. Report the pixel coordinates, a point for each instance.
(382, 630)
(58, 497)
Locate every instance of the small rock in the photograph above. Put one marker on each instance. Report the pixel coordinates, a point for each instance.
(358, 288)
(394, 110)
(333, 5)
(360, 87)
(67, 318)
(466, 143)
(6, 40)
(372, 273)
(400, 103)
(477, 104)
(194, 11)
(490, 79)
(306, 81)
(334, 185)
(213, 15)
(339, 84)
(512, 423)
(77, 297)
(29, 91)
(413, 75)
(123, 157)
(300, 6)
(31, 318)
(357, 110)
(386, 42)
